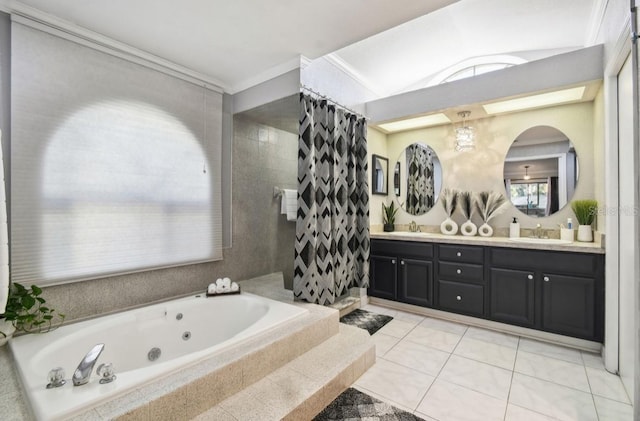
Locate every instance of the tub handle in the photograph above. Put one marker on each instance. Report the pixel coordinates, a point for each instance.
(107, 373)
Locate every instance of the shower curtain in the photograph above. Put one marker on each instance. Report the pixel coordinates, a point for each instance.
(420, 190)
(332, 227)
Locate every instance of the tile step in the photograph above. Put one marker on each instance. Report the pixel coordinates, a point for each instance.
(304, 386)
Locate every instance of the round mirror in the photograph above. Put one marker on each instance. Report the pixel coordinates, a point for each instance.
(417, 178)
(541, 171)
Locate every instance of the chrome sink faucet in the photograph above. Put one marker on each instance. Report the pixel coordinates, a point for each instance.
(413, 227)
(539, 232)
(83, 372)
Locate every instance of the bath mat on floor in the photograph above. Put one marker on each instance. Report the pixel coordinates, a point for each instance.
(371, 322)
(354, 405)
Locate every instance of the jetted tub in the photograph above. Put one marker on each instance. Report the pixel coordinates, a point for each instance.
(185, 331)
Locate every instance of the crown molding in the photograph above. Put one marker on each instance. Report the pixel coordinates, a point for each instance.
(38, 19)
(595, 22)
(348, 70)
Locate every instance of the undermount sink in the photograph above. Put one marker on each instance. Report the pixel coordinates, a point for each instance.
(532, 240)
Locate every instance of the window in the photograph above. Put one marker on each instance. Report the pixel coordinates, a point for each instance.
(530, 197)
(115, 166)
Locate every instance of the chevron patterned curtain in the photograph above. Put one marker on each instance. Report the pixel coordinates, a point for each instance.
(420, 182)
(332, 229)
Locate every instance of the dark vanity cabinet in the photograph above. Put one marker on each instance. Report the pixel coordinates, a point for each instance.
(555, 291)
(402, 271)
(558, 292)
(461, 284)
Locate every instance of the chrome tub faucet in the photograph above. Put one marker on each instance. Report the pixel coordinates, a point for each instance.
(83, 372)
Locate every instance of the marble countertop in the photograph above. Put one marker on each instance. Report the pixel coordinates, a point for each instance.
(428, 237)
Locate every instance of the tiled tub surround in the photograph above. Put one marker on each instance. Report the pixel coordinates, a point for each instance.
(446, 371)
(284, 352)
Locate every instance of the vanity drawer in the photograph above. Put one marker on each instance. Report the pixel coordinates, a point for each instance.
(466, 254)
(461, 271)
(401, 248)
(555, 261)
(461, 297)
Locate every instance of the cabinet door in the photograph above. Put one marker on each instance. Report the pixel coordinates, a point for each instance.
(383, 277)
(568, 305)
(512, 296)
(416, 277)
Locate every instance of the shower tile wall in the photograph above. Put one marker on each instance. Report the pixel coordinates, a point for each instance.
(263, 241)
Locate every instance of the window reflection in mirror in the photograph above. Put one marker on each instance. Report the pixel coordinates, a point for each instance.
(541, 171)
(379, 170)
(419, 179)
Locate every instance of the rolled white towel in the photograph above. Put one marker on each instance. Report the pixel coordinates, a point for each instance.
(234, 287)
(219, 289)
(226, 282)
(219, 281)
(211, 289)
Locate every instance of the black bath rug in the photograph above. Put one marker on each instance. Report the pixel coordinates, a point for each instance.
(354, 405)
(371, 322)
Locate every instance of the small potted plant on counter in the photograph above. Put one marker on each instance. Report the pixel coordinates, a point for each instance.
(389, 216)
(26, 312)
(586, 211)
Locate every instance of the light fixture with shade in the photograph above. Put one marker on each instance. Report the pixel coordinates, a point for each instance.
(526, 173)
(465, 136)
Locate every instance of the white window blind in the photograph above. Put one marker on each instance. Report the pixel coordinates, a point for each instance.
(115, 167)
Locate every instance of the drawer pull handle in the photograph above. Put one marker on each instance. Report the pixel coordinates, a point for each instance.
(459, 254)
(529, 276)
(459, 271)
(402, 262)
(546, 279)
(459, 298)
(393, 261)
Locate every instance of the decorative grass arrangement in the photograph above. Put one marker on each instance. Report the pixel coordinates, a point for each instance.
(585, 210)
(489, 204)
(466, 204)
(449, 200)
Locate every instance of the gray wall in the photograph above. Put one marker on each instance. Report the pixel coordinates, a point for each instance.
(263, 241)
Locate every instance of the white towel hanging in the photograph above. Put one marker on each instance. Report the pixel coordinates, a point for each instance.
(289, 204)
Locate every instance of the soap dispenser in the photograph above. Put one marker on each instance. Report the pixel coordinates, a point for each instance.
(514, 228)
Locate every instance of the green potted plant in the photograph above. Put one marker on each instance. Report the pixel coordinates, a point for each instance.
(586, 211)
(26, 312)
(389, 216)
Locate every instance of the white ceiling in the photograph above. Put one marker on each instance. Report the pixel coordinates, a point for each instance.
(236, 42)
(240, 43)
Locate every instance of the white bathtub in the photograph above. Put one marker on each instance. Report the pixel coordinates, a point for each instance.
(213, 324)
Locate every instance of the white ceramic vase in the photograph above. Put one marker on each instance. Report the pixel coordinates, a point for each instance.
(6, 328)
(449, 227)
(585, 233)
(485, 230)
(469, 228)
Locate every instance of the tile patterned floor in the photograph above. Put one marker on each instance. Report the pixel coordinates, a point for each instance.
(444, 371)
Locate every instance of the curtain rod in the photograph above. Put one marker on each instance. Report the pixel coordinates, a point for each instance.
(308, 89)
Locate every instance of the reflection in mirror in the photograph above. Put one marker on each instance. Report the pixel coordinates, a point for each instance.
(396, 179)
(379, 169)
(419, 179)
(541, 171)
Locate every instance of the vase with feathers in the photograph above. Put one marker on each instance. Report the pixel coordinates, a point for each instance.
(467, 209)
(449, 200)
(488, 205)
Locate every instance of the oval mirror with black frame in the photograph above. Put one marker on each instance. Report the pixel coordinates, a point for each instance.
(541, 171)
(379, 171)
(419, 179)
